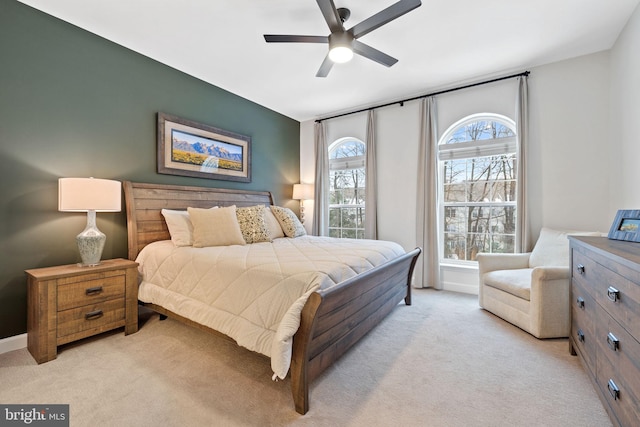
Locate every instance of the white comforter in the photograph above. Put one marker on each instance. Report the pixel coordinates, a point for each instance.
(254, 293)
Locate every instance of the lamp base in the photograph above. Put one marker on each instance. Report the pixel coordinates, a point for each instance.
(91, 242)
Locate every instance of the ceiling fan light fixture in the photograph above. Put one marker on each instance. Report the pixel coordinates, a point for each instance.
(340, 54)
(340, 50)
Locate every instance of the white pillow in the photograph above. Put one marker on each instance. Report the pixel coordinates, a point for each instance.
(275, 231)
(291, 225)
(180, 227)
(215, 227)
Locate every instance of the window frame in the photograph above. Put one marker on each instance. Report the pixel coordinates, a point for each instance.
(345, 164)
(470, 150)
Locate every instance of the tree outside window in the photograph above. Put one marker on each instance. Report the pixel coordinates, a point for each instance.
(478, 191)
(346, 188)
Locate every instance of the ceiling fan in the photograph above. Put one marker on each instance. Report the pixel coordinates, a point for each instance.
(343, 43)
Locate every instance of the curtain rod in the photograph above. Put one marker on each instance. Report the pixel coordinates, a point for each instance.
(401, 102)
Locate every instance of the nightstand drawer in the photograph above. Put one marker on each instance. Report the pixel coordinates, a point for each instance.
(92, 319)
(90, 292)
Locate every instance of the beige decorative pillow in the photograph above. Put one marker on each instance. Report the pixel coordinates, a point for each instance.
(289, 222)
(275, 231)
(179, 226)
(252, 224)
(215, 227)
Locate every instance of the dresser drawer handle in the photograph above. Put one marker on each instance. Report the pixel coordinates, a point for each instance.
(92, 315)
(613, 294)
(93, 291)
(580, 335)
(580, 302)
(613, 342)
(614, 391)
(580, 269)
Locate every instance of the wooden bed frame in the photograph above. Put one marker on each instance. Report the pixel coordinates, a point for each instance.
(332, 320)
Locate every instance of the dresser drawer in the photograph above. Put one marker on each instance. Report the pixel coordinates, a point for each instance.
(584, 270)
(87, 292)
(583, 315)
(619, 297)
(617, 361)
(92, 319)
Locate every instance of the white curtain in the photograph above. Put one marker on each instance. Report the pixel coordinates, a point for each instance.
(320, 225)
(523, 234)
(371, 188)
(427, 236)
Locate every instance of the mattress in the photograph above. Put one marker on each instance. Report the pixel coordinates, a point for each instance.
(254, 293)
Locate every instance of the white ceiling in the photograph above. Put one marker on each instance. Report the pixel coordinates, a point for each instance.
(441, 44)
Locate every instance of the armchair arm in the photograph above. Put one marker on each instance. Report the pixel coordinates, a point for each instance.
(545, 273)
(493, 262)
(550, 305)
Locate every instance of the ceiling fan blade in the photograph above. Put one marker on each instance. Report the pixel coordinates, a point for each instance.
(278, 38)
(330, 13)
(324, 69)
(383, 17)
(373, 54)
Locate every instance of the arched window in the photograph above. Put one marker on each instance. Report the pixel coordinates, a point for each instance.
(478, 186)
(346, 188)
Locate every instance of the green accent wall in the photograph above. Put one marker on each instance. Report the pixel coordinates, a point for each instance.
(74, 104)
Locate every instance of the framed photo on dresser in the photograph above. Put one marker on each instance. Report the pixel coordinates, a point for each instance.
(626, 226)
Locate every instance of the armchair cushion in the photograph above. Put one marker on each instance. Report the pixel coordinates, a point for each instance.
(516, 282)
(552, 247)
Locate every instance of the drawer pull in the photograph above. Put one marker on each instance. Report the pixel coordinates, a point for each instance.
(613, 294)
(614, 391)
(93, 291)
(613, 342)
(580, 269)
(580, 302)
(93, 315)
(580, 335)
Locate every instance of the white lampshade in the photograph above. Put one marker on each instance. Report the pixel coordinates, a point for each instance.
(85, 194)
(302, 192)
(89, 195)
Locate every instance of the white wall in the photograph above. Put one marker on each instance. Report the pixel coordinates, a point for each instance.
(623, 140)
(568, 169)
(571, 139)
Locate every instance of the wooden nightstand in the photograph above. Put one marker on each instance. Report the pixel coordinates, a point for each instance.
(67, 303)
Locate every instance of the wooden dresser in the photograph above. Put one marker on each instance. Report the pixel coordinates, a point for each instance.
(69, 302)
(605, 321)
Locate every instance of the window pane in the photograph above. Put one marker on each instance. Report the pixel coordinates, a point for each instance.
(455, 171)
(454, 246)
(455, 219)
(347, 189)
(479, 193)
(455, 193)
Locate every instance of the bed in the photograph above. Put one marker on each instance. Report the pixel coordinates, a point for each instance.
(330, 319)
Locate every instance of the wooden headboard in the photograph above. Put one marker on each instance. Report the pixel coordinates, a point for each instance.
(144, 203)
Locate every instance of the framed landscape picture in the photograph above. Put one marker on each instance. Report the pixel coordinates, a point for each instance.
(626, 226)
(194, 149)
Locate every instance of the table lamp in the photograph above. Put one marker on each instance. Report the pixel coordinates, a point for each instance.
(302, 192)
(89, 195)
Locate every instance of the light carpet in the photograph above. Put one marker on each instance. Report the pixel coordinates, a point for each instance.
(441, 362)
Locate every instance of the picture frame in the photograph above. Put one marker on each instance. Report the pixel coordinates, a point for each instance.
(626, 226)
(189, 148)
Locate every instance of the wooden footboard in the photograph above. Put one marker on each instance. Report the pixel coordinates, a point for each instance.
(333, 320)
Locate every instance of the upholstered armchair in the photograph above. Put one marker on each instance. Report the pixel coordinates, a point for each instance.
(530, 290)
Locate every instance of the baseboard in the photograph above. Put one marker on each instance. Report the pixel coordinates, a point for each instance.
(15, 342)
(460, 287)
